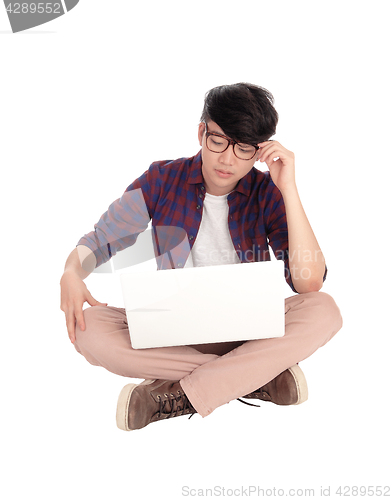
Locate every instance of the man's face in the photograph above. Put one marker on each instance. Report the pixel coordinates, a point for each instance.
(221, 171)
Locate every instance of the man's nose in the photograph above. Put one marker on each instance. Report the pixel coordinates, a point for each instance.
(228, 156)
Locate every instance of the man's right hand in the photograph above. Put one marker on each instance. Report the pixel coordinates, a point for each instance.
(74, 294)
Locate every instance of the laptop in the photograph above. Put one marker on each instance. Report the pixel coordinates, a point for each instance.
(200, 305)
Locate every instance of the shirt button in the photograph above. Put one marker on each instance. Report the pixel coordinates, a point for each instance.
(203, 188)
(239, 245)
(200, 196)
(198, 206)
(179, 264)
(191, 237)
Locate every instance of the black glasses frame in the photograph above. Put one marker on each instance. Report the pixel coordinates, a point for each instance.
(230, 142)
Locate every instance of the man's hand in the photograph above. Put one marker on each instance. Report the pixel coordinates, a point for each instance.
(74, 294)
(283, 169)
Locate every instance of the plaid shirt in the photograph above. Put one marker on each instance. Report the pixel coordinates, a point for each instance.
(171, 195)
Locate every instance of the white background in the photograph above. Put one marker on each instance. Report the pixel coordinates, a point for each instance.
(88, 101)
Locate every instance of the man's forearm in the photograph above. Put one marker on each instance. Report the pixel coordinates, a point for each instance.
(306, 260)
(81, 261)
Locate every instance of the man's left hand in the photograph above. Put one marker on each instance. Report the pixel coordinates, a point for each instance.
(280, 162)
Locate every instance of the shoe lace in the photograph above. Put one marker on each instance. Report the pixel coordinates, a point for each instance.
(179, 405)
(246, 403)
(260, 394)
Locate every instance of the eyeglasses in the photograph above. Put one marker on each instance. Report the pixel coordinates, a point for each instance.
(219, 143)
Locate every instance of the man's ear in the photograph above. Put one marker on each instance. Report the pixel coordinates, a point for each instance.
(201, 131)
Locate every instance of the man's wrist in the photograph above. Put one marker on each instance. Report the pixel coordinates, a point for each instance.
(72, 272)
(290, 192)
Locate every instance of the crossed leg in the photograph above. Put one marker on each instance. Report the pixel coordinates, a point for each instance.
(211, 374)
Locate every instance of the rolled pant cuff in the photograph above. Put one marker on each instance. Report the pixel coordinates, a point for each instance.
(194, 397)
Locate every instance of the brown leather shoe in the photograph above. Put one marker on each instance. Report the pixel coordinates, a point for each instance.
(288, 388)
(152, 400)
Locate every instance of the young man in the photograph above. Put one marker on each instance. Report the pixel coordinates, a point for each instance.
(230, 212)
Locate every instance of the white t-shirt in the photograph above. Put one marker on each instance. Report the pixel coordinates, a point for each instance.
(213, 245)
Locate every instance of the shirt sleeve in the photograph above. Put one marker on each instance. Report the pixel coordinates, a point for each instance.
(277, 232)
(276, 228)
(119, 227)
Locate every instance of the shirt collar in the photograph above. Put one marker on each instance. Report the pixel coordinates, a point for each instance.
(195, 176)
(194, 172)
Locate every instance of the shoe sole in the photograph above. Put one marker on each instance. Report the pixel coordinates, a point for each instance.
(123, 404)
(300, 381)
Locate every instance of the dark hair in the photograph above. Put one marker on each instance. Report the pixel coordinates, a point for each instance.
(244, 112)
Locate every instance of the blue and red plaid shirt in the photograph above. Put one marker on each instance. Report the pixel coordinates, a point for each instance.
(171, 195)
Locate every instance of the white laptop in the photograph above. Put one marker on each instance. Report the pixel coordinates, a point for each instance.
(200, 305)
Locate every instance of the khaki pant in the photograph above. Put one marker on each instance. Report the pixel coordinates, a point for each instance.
(211, 374)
